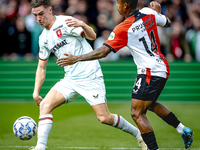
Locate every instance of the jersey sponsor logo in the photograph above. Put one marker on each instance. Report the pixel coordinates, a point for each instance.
(112, 36)
(149, 22)
(58, 27)
(144, 25)
(139, 27)
(58, 46)
(59, 33)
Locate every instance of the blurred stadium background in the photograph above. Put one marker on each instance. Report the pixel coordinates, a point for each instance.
(19, 56)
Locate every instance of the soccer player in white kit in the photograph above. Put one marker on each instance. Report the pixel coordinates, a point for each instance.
(139, 33)
(65, 34)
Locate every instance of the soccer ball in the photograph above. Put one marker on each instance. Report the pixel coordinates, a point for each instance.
(25, 128)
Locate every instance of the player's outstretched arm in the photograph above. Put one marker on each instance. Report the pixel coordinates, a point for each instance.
(95, 54)
(88, 31)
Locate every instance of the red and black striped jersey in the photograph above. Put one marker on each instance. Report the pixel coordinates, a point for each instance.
(139, 33)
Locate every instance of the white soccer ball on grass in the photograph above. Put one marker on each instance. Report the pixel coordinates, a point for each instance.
(25, 128)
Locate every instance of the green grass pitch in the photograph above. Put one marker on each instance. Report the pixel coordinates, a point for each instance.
(76, 127)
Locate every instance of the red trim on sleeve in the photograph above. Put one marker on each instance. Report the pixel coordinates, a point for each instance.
(43, 59)
(82, 34)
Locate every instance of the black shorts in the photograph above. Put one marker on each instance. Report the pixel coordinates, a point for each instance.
(148, 88)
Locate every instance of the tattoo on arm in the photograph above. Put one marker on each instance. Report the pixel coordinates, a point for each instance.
(95, 54)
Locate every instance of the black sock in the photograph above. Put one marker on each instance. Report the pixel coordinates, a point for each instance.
(150, 139)
(171, 120)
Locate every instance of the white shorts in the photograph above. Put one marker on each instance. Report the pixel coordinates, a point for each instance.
(92, 90)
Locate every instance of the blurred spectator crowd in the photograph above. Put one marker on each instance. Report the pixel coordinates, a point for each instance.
(19, 32)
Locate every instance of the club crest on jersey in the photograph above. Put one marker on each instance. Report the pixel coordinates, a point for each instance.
(112, 36)
(59, 33)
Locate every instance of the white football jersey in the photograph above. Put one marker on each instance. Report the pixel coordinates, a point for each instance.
(139, 33)
(62, 39)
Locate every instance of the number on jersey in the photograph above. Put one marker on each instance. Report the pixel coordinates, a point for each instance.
(154, 46)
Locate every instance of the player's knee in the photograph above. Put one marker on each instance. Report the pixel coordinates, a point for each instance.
(44, 107)
(135, 114)
(104, 119)
(151, 107)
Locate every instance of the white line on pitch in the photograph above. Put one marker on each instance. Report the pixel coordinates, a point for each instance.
(100, 148)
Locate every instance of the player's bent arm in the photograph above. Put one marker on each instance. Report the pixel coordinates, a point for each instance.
(88, 31)
(95, 54)
(156, 7)
(39, 80)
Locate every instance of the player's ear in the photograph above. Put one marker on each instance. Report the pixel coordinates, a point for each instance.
(126, 6)
(50, 9)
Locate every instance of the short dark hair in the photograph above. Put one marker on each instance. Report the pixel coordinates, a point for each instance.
(37, 3)
(132, 3)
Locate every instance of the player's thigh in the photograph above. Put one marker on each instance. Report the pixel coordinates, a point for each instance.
(101, 109)
(52, 100)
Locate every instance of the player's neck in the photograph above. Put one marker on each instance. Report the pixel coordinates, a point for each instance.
(51, 22)
(131, 11)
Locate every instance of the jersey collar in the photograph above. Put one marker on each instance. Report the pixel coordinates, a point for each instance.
(134, 13)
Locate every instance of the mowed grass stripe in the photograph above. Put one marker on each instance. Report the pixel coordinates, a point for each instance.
(108, 87)
(75, 125)
(108, 80)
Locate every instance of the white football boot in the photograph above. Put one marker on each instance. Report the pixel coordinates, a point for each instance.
(142, 144)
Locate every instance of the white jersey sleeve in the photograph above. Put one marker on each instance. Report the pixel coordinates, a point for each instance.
(161, 20)
(74, 31)
(44, 53)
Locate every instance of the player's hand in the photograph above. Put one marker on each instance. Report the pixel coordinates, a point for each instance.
(37, 99)
(155, 6)
(73, 22)
(68, 60)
